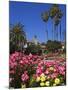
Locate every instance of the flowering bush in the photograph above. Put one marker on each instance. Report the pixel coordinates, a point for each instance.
(35, 71)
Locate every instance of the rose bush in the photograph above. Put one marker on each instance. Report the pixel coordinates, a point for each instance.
(34, 71)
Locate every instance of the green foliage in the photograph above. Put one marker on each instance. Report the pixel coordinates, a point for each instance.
(32, 81)
(45, 16)
(17, 37)
(34, 49)
(54, 10)
(53, 45)
(56, 14)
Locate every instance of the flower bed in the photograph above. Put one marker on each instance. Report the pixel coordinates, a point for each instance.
(33, 71)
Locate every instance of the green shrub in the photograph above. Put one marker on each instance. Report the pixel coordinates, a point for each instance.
(34, 49)
(53, 45)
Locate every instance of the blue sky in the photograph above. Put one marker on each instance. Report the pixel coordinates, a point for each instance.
(29, 14)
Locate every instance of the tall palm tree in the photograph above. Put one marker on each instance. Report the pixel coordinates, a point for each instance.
(64, 36)
(53, 11)
(17, 35)
(45, 17)
(56, 15)
(60, 14)
(57, 21)
(59, 17)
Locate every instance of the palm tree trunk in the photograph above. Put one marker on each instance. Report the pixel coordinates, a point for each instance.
(46, 32)
(60, 32)
(52, 30)
(57, 33)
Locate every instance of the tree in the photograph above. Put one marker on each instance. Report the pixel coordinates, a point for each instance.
(34, 49)
(53, 45)
(53, 11)
(60, 14)
(17, 37)
(57, 21)
(56, 15)
(45, 17)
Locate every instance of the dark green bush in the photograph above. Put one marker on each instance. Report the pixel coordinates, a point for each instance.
(34, 49)
(53, 45)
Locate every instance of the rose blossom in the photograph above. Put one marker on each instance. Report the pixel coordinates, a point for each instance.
(46, 72)
(24, 77)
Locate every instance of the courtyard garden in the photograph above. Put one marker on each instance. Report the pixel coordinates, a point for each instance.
(37, 59)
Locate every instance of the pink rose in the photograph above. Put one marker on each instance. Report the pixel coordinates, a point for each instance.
(24, 77)
(46, 72)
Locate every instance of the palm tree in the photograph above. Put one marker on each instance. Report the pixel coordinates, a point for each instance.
(17, 35)
(60, 14)
(57, 21)
(64, 36)
(45, 17)
(56, 15)
(53, 11)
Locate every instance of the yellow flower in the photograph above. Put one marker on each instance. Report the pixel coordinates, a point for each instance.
(38, 79)
(23, 86)
(54, 84)
(51, 68)
(42, 79)
(57, 81)
(42, 84)
(47, 83)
